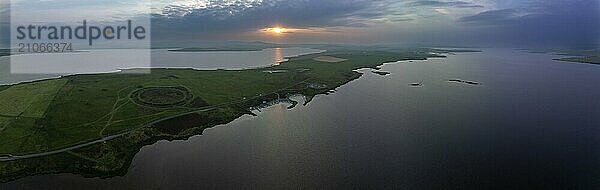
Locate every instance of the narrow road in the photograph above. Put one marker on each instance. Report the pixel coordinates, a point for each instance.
(102, 140)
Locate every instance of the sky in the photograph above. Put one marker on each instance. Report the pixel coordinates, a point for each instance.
(516, 23)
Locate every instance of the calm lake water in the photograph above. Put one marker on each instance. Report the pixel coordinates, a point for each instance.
(533, 123)
(37, 66)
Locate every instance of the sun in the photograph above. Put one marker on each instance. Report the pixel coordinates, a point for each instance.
(275, 30)
(278, 30)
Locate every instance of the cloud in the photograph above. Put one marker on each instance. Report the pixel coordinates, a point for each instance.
(244, 16)
(452, 21)
(492, 16)
(573, 23)
(459, 4)
(547, 10)
(443, 10)
(215, 8)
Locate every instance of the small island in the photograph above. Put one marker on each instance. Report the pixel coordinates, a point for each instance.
(416, 84)
(464, 81)
(382, 73)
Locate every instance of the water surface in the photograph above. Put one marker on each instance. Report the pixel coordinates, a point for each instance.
(30, 67)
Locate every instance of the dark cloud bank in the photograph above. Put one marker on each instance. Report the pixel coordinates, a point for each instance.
(548, 23)
(536, 23)
(297, 14)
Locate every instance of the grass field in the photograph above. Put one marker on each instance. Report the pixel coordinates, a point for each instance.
(4, 88)
(4, 121)
(54, 114)
(29, 100)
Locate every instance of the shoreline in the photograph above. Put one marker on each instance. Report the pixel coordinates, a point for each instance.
(309, 93)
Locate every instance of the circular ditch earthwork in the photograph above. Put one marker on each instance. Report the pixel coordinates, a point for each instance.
(162, 96)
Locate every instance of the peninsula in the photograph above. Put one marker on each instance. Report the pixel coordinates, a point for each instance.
(94, 124)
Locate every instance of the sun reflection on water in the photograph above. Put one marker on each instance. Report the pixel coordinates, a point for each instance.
(277, 56)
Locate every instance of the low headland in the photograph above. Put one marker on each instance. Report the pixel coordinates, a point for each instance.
(4, 52)
(94, 124)
(581, 56)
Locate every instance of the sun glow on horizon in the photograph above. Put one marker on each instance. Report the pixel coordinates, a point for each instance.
(278, 31)
(275, 30)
